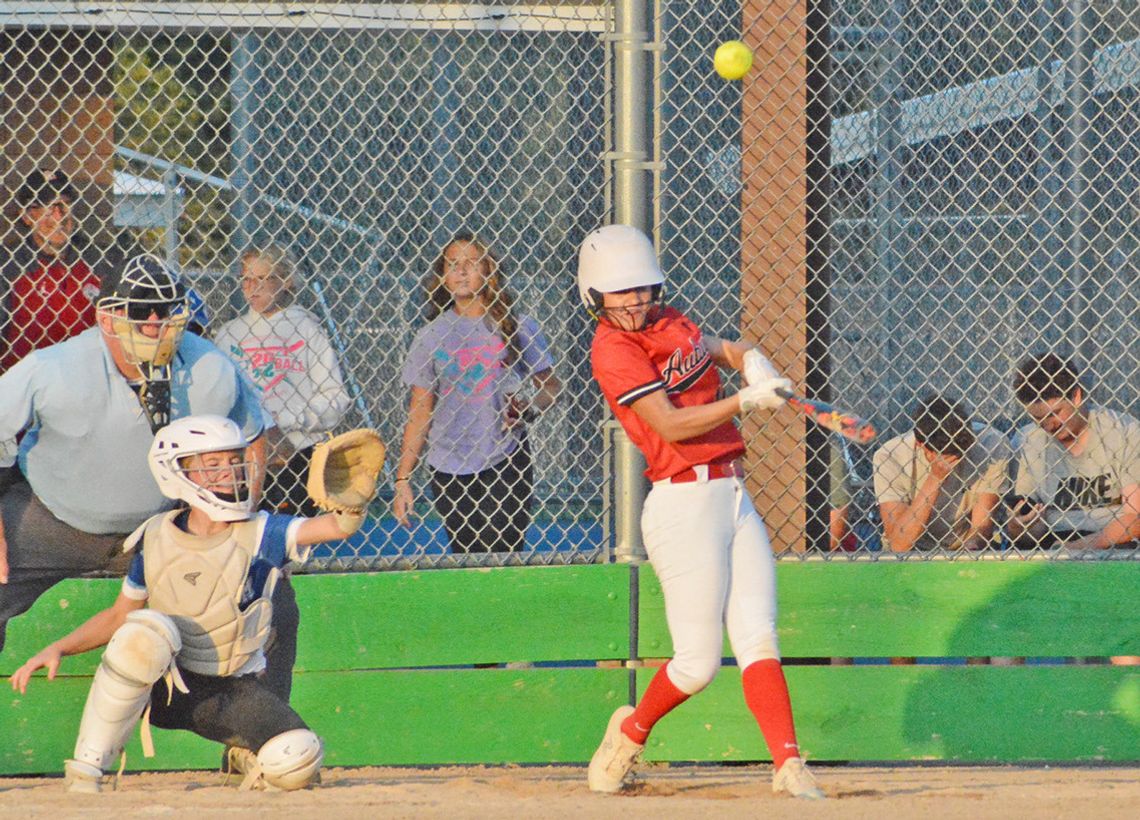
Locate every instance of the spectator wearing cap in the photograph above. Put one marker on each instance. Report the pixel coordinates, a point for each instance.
(939, 485)
(52, 277)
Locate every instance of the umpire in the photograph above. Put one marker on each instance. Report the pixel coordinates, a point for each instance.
(77, 419)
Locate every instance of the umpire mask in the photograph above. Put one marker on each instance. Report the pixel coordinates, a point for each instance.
(149, 310)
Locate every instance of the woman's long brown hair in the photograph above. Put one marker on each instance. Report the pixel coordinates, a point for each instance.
(498, 300)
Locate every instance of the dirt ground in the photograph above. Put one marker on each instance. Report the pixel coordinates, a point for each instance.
(659, 791)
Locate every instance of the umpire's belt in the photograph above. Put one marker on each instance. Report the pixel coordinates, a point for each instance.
(707, 472)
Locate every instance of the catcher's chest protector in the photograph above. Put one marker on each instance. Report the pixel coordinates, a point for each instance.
(198, 581)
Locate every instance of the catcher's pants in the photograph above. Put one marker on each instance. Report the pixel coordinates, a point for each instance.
(487, 511)
(237, 711)
(281, 650)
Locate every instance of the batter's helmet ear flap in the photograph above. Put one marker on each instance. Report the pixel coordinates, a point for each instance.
(615, 258)
(594, 305)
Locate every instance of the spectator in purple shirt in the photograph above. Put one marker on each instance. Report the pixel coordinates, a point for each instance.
(478, 373)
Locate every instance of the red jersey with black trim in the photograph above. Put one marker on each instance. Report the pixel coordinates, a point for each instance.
(52, 301)
(668, 355)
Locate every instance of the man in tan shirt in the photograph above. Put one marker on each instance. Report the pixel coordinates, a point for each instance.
(939, 485)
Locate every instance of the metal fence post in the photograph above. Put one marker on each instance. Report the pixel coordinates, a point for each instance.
(171, 211)
(632, 185)
(242, 94)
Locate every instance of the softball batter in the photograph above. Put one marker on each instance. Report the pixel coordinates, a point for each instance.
(705, 540)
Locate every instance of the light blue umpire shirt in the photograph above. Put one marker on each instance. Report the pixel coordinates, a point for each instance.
(86, 441)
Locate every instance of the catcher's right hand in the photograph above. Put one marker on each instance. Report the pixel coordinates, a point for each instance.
(343, 473)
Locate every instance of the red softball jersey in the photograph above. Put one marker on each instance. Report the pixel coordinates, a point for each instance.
(668, 355)
(53, 301)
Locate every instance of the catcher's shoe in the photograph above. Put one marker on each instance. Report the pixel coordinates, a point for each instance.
(615, 757)
(795, 779)
(236, 760)
(82, 777)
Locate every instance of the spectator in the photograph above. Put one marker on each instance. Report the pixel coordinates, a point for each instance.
(839, 500)
(286, 353)
(939, 485)
(1078, 467)
(467, 369)
(52, 278)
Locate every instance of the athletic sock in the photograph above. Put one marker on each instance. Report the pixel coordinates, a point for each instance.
(766, 693)
(659, 699)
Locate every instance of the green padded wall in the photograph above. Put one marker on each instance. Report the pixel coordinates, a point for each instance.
(940, 609)
(389, 666)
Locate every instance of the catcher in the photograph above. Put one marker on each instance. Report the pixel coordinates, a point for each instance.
(207, 572)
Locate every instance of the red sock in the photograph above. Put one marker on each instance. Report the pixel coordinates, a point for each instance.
(766, 693)
(659, 699)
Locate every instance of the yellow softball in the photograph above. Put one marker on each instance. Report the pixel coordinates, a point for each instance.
(732, 60)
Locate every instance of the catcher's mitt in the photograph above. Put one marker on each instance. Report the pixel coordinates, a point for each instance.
(344, 469)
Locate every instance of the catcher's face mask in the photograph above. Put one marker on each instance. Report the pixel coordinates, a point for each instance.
(223, 473)
(222, 479)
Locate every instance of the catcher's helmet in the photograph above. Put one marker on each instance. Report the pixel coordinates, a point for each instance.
(196, 435)
(145, 292)
(615, 258)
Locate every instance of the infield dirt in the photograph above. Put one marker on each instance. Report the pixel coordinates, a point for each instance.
(659, 791)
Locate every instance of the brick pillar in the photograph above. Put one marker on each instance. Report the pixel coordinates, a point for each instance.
(774, 250)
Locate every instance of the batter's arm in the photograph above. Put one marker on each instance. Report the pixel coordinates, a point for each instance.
(727, 354)
(681, 423)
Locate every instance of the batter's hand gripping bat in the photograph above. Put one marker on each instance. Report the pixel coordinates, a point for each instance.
(855, 428)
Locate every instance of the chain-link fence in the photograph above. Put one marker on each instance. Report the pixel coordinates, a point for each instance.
(899, 199)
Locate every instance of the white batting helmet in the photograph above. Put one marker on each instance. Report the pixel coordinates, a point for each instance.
(196, 435)
(614, 258)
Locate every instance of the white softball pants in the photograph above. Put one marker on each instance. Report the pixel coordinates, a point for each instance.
(711, 553)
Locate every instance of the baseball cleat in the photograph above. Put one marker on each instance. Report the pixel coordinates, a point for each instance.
(82, 777)
(614, 758)
(795, 779)
(236, 760)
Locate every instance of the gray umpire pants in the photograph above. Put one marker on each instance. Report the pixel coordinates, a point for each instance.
(42, 551)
